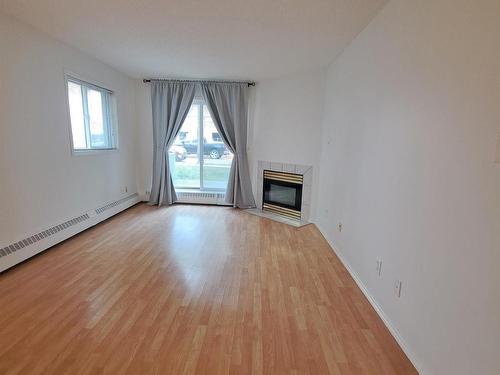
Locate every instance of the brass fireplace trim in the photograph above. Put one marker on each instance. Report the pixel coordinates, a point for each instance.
(293, 178)
(284, 176)
(292, 214)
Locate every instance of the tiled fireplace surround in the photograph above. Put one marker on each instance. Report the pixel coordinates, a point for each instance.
(305, 170)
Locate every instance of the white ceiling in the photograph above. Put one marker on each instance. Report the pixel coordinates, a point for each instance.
(247, 39)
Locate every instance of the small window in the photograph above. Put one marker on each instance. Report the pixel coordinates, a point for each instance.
(91, 116)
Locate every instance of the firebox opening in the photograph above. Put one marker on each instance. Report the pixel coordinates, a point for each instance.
(282, 193)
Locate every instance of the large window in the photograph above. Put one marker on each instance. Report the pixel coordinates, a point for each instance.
(91, 116)
(196, 164)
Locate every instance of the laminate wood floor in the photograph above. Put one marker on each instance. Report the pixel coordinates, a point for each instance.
(191, 290)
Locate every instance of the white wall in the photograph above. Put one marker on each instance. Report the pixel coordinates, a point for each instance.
(285, 123)
(42, 183)
(412, 113)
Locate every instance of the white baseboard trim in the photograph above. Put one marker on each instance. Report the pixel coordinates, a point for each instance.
(12, 254)
(378, 309)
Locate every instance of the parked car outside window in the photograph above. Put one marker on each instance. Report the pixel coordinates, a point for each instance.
(211, 148)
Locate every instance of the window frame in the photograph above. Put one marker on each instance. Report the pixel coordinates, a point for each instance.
(108, 112)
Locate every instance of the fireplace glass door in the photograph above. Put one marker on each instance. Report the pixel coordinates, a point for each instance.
(282, 193)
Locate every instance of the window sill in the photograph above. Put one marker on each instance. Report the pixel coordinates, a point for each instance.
(93, 151)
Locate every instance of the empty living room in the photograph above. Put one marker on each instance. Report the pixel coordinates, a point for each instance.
(250, 187)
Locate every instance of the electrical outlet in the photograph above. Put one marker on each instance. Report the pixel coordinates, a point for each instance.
(148, 193)
(379, 267)
(123, 189)
(397, 287)
(340, 227)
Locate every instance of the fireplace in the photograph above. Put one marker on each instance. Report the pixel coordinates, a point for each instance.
(282, 193)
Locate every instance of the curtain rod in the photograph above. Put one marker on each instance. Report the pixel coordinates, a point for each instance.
(148, 80)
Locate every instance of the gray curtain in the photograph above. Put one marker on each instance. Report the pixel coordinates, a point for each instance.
(228, 105)
(170, 102)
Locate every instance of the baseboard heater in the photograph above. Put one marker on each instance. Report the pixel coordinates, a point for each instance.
(19, 251)
(201, 197)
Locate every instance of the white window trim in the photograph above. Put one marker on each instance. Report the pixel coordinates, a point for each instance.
(74, 77)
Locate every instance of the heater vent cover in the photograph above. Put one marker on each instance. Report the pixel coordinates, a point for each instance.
(9, 249)
(100, 210)
(39, 236)
(201, 197)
